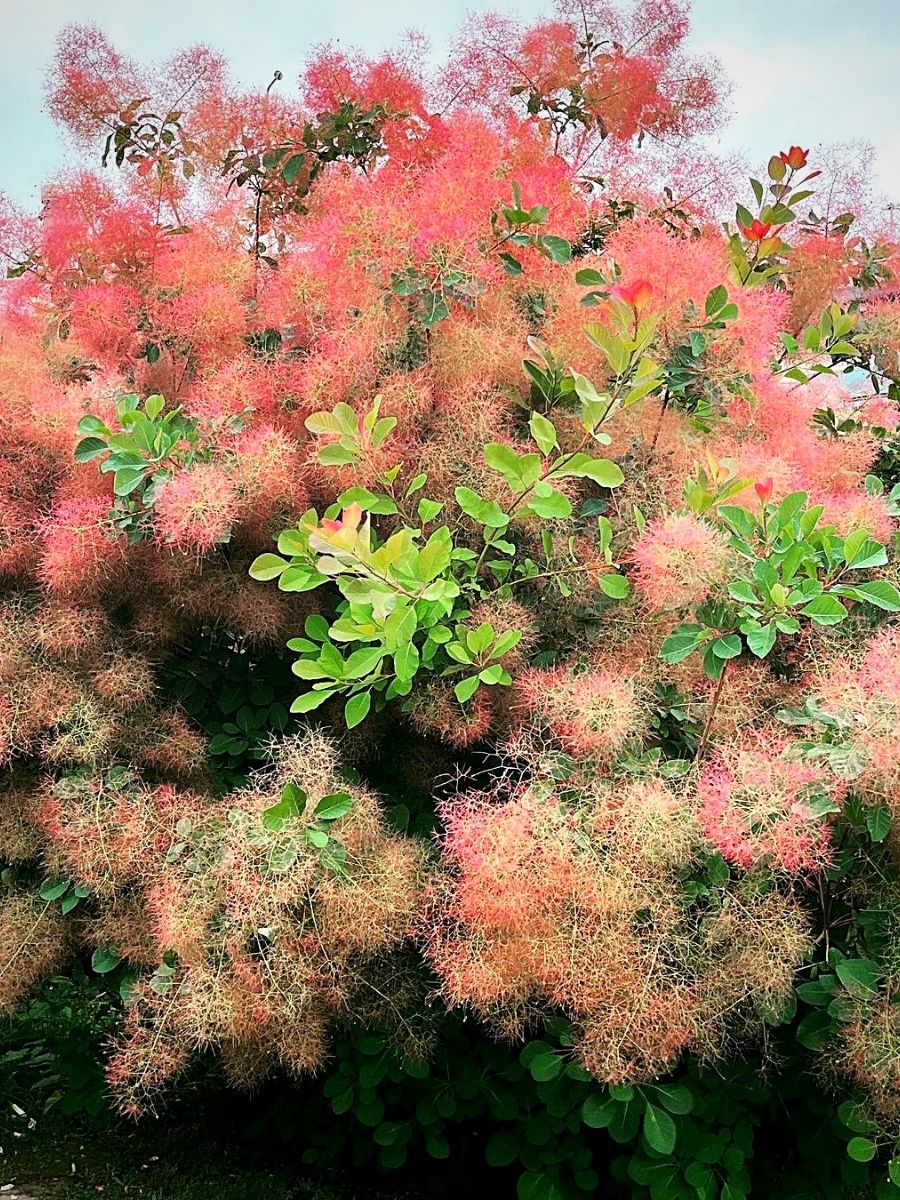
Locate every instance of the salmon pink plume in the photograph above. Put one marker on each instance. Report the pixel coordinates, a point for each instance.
(18, 552)
(857, 509)
(820, 267)
(591, 713)
(91, 82)
(268, 472)
(760, 805)
(677, 271)
(511, 855)
(196, 508)
(870, 1054)
(105, 319)
(209, 318)
(435, 710)
(79, 551)
(866, 699)
(878, 411)
(679, 560)
(635, 79)
(34, 941)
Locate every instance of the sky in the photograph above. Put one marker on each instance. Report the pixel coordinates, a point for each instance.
(802, 71)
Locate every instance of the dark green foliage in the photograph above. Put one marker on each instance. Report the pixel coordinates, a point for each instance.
(238, 698)
(51, 1048)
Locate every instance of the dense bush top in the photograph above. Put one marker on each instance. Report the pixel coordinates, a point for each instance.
(424, 457)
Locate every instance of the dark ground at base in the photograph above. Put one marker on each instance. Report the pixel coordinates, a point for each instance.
(53, 1163)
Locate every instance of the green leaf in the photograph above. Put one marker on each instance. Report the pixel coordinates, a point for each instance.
(316, 627)
(824, 610)
(466, 688)
(817, 991)
(291, 805)
(52, 889)
(363, 662)
(727, 647)
(582, 466)
(406, 661)
(543, 432)
(536, 1185)
(485, 512)
(558, 249)
(615, 586)
(681, 643)
(493, 675)
(373, 502)
(659, 1130)
(863, 552)
(760, 641)
(519, 470)
(552, 505)
(614, 347)
(598, 1110)
(479, 639)
(877, 592)
(105, 959)
(292, 167)
(338, 804)
(716, 300)
(128, 480)
(743, 591)
(428, 510)
(299, 578)
(307, 668)
(357, 708)
(154, 405)
(878, 823)
(815, 1030)
(502, 1148)
(310, 700)
(292, 543)
(267, 566)
(325, 422)
(90, 425)
(336, 455)
(811, 337)
(675, 1097)
(89, 448)
(546, 1066)
(861, 1149)
(859, 976)
(505, 642)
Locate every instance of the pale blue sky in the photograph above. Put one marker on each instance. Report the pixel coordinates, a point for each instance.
(801, 72)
